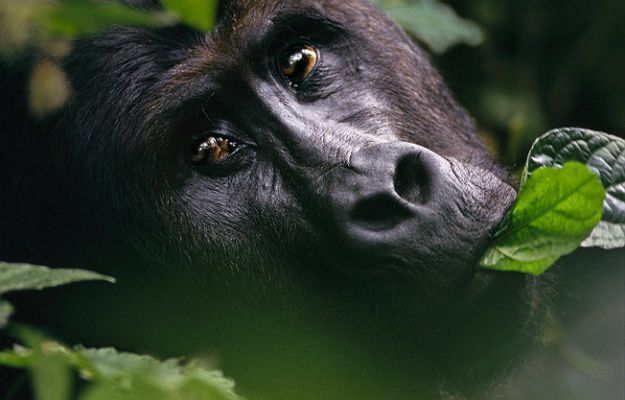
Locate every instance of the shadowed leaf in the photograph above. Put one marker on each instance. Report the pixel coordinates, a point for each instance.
(32, 277)
(604, 155)
(432, 22)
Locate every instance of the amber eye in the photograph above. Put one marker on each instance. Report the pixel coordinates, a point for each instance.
(298, 63)
(211, 149)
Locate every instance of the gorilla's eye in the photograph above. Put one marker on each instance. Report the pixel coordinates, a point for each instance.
(212, 149)
(298, 62)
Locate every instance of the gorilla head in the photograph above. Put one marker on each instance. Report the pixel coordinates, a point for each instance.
(301, 144)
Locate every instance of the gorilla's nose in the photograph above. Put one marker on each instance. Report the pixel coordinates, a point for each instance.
(400, 195)
(392, 183)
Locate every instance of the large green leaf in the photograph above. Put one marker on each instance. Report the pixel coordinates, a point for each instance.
(28, 277)
(199, 14)
(432, 22)
(603, 154)
(555, 211)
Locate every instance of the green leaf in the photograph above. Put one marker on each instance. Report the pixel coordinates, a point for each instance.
(46, 360)
(432, 22)
(119, 375)
(6, 309)
(75, 18)
(170, 376)
(32, 277)
(554, 212)
(52, 379)
(18, 357)
(200, 14)
(604, 155)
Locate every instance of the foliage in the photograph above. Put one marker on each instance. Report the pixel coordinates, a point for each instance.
(555, 211)
(603, 154)
(199, 14)
(433, 23)
(42, 23)
(558, 208)
(73, 18)
(32, 277)
(542, 64)
(15, 277)
(113, 374)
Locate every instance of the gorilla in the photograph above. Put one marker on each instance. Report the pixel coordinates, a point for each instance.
(299, 172)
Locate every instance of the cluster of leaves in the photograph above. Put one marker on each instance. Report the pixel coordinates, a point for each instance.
(572, 193)
(110, 374)
(49, 26)
(46, 24)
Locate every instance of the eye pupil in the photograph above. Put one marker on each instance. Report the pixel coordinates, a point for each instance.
(299, 63)
(212, 149)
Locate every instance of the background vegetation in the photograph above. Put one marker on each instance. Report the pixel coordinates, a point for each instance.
(542, 64)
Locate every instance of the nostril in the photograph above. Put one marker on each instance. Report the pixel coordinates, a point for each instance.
(379, 212)
(412, 179)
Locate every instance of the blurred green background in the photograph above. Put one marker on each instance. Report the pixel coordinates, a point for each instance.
(542, 64)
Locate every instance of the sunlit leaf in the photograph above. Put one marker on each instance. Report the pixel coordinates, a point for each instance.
(554, 212)
(199, 14)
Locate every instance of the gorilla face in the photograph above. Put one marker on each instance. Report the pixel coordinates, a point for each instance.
(305, 143)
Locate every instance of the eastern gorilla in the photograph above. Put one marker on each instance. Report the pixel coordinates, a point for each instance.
(302, 160)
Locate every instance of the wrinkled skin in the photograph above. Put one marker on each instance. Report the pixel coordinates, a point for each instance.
(364, 189)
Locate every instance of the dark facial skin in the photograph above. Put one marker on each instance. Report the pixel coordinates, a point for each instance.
(356, 181)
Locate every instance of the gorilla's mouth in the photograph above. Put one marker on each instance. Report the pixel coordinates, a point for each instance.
(412, 255)
(404, 206)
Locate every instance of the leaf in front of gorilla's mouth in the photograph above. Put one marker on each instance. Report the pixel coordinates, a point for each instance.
(604, 155)
(555, 211)
(572, 193)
